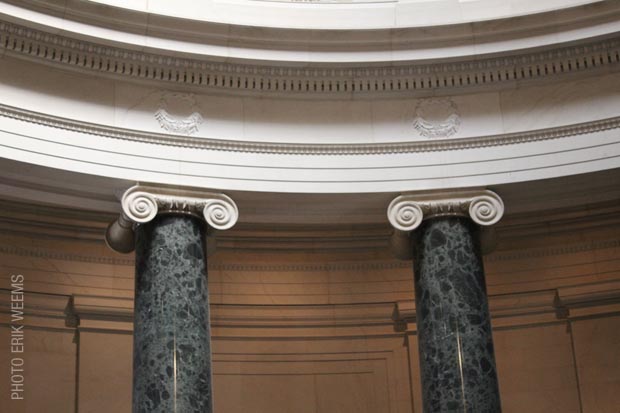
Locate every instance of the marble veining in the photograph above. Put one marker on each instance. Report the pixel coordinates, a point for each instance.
(457, 360)
(172, 355)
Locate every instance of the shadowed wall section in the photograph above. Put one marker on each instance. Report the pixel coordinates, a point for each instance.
(321, 330)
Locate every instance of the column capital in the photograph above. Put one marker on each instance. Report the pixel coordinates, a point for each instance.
(406, 212)
(141, 204)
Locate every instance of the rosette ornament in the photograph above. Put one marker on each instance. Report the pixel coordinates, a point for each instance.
(141, 204)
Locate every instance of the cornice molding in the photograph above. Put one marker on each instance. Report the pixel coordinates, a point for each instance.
(107, 313)
(536, 307)
(47, 311)
(344, 81)
(211, 144)
(575, 302)
(300, 32)
(507, 310)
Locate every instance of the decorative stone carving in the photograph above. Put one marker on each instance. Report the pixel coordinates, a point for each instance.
(174, 124)
(436, 118)
(220, 213)
(492, 71)
(141, 204)
(140, 207)
(405, 215)
(486, 209)
(406, 212)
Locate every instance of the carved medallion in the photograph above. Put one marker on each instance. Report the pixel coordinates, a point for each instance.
(169, 115)
(436, 118)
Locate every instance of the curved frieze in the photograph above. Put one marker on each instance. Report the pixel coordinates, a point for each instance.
(344, 80)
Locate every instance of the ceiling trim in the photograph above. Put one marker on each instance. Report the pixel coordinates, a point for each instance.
(210, 144)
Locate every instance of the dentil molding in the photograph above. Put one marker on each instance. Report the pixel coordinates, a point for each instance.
(343, 80)
(141, 204)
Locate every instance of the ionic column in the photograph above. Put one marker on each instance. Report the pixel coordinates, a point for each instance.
(172, 344)
(455, 343)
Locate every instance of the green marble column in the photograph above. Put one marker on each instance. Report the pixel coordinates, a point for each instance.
(457, 361)
(172, 354)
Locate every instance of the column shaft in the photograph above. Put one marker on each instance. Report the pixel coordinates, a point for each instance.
(172, 355)
(455, 343)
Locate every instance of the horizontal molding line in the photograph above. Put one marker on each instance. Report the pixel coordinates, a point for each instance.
(38, 253)
(346, 266)
(553, 251)
(12, 250)
(211, 144)
(87, 57)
